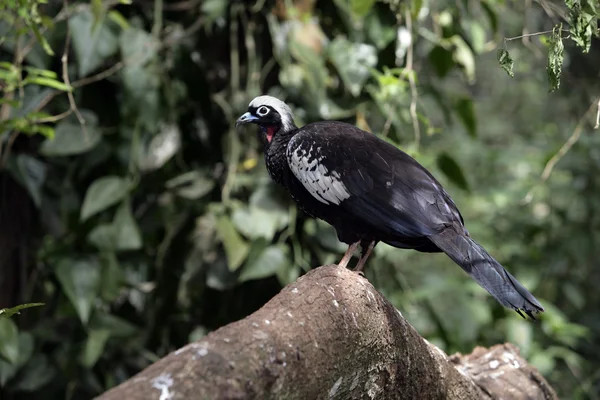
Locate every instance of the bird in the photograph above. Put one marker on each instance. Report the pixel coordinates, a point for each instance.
(370, 191)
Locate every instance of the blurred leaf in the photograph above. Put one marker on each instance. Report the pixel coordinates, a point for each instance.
(353, 62)
(236, 249)
(219, 276)
(36, 373)
(491, 14)
(464, 56)
(118, 327)
(555, 58)
(118, 19)
(141, 77)
(214, 12)
(361, 7)
(26, 348)
(520, 333)
(452, 170)
(94, 346)
(30, 173)
(506, 62)
(191, 185)
(103, 193)
(112, 278)
(162, 148)
(573, 294)
(543, 361)
(478, 37)
(70, 139)
(9, 312)
(80, 280)
(9, 340)
(466, 112)
(93, 44)
(380, 34)
(103, 236)
(254, 222)
(267, 263)
(441, 60)
(127, 232)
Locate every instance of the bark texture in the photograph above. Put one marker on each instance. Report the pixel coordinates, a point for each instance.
(330, 335)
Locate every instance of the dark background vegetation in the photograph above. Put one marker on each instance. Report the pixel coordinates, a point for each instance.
(134, 210)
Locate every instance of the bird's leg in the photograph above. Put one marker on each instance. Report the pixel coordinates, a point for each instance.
(346, 259)
(366, 252)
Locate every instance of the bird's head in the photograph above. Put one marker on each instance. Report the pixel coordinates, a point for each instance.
(270, 114)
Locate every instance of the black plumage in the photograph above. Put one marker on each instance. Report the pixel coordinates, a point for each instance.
(370, 191)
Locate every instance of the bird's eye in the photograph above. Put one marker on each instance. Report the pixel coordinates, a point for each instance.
(262, 111)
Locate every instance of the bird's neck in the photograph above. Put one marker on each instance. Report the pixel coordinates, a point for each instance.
(275, 154)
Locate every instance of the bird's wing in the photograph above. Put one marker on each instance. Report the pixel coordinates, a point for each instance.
(341, 165)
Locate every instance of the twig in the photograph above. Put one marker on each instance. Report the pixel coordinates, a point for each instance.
(597, 116)
(532, 34)
(99, 76)
(9, 144)
(65, 72)
(411, 80)
(574, 138)
(54, 118)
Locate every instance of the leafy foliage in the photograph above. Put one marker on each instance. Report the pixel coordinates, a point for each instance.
(155, 221)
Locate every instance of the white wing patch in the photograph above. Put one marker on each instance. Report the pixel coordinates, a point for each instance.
(323, 185)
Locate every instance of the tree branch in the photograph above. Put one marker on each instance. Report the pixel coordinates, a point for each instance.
(330, 335)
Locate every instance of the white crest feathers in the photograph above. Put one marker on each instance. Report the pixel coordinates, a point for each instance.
(285, 112)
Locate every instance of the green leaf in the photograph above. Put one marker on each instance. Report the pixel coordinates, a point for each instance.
(9, 340)
(255, 222)
(442, 61)
(44, 81)
(41, 39)
(103, 236)
(466, 112)
(126, 229)
(582, 28)
(117, 327)
(191, 185)
(41, 72)
(70, 139)
(118, 19)
(236, 248)
(378, 32)
(80, 280)
(140, 75)
(452, 170)
(506, 62)
(35, 374)
(94, 347)
(463, 55)
(30, 173)
(26, 347)
(103, 193)
(361, 7)
(112, 278)
(162, 148)
(93, 44)
(266, 264)
(555, 58)
(353, 62)
(9, 312)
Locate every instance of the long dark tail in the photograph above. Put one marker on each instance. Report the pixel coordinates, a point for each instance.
(487, 272)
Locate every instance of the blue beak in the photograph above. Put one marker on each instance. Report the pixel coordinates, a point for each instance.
(245, 119)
